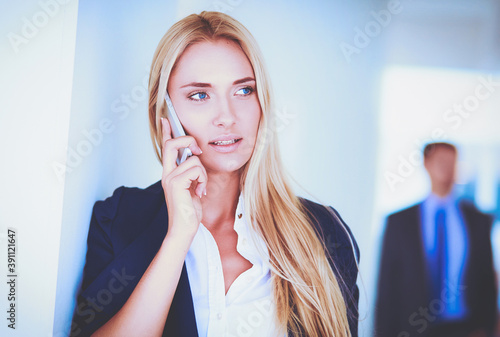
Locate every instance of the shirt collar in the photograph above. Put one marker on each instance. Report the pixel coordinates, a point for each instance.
(437, 201)
(247, 233)
(240, 209)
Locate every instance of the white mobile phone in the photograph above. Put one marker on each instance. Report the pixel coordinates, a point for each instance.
(177, 129)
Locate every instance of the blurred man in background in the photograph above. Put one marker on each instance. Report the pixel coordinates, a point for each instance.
(436, 273)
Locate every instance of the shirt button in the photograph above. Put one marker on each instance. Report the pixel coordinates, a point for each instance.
(240, 215)
(244, 242)
(219, 316)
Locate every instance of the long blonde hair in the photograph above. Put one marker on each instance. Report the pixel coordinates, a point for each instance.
(306, 291)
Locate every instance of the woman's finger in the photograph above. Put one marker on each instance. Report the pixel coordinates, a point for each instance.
(171, 146)
(191, 162)
(192, 174)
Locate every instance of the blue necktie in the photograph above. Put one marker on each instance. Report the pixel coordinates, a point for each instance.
(441, 258)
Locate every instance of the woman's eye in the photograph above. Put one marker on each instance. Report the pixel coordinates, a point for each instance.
(244, 91)
(199, 96)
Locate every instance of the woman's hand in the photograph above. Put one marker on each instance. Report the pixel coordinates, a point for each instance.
(148, 306)
(183, 185)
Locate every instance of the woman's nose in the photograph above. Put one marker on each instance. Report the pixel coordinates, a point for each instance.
(225, 115)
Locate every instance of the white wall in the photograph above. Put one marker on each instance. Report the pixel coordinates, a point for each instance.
(36, 76)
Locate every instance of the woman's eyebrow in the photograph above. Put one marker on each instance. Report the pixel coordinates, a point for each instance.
(197, 84)
(243, 80)
(208, 85)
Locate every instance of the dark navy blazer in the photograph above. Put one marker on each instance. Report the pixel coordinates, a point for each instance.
(127, 230)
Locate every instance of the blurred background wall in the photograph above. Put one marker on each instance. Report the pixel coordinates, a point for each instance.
(360, 87)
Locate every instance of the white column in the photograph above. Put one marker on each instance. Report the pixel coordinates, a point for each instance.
(37, 50)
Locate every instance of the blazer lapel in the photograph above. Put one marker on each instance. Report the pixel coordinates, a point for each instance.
(421, 266)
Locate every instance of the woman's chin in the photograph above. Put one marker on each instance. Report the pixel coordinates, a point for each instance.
(225, 165)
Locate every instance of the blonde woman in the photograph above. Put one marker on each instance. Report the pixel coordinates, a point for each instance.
(220, 246)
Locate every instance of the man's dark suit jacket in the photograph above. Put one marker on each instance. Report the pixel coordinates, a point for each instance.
(404, 307)
(126, 231)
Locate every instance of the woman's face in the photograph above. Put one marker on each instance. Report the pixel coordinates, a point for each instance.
(213, 91)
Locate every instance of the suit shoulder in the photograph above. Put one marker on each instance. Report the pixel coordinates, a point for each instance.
(410, 211)
(125, 200)
(327, 218)
(471, 210)
(134, 197)
(152, 191)
(471, 207)
(330, 225)
(314, 207)
(109, 205)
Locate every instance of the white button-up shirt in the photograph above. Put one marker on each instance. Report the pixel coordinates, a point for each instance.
(248, 308)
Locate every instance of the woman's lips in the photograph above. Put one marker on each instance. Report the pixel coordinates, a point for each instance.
(225, 146)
